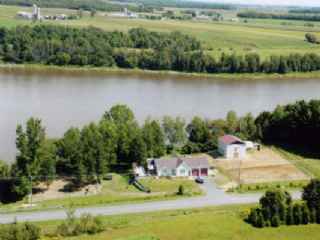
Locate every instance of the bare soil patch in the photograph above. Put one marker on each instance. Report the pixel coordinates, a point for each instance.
(259, 167)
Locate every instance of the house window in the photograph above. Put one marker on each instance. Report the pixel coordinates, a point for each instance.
(182, 172)
(173, 172)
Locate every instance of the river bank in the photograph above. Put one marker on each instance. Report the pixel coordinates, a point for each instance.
(96, 71)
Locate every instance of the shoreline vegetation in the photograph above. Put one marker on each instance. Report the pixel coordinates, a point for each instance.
(141, 49)
(105, 71)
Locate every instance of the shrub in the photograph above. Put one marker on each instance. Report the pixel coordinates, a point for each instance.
(87, 224)
(275, 221)
(313, 216)
(181, 190)
(305, 214)
(289, 216)
(15, 231)
(297, 215)
(311, 38)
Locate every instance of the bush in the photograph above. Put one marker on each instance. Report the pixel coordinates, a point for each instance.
(275, 221)
(181, 190)
(87, 224)
(15, 231)
(289, 216)
(297, 215)
(305, 214)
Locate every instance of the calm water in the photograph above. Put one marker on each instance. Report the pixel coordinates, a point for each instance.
(64, 100)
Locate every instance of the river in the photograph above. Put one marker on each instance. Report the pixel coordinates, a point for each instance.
(68, 99)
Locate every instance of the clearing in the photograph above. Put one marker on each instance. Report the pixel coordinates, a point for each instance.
(264, 166)
(115, 191)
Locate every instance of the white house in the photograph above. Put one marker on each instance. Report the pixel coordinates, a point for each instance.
(180, 166)
(232, 147)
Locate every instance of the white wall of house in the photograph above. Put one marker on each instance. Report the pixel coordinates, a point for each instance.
(165, 172)
(232, 151)
(183, 170)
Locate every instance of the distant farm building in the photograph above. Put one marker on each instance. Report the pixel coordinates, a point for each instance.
(35, 15)
(124, 14)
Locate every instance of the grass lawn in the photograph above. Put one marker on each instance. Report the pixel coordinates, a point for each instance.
(116, 191)
(265, 37)
(307, 164)
(222, 223)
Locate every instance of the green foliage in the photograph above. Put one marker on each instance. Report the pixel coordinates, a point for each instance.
(275, 221)
(154, 138)
(291, 124)
(137, 48)
(312, 38)
(15, 231)
(86, 224)
(174, 130)
(4, 170)
(28, 161)
(311, 194)
(289, 16)
(181, 190)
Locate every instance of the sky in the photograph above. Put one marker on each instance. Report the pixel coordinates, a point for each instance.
(307, 3)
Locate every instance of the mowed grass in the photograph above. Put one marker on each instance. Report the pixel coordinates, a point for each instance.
(221, 223)
(309, 165)
(264, 37)
(117, 191)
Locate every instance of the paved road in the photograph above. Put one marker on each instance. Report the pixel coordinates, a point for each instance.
(214, 197)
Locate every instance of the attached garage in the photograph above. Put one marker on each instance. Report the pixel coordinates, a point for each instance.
(204, 172)
(195, 172)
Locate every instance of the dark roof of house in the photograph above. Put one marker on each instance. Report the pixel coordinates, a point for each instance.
(230, 139)
(173, 163)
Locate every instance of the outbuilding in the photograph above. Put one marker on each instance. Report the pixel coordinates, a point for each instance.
(232, 147)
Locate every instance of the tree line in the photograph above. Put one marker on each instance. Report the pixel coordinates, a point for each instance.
(117, 141)
(139, 48)
(71, 4)
(284, 16)
(277, 208)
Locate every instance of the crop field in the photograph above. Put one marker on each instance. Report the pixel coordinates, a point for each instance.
(265, 37)
(223, 223)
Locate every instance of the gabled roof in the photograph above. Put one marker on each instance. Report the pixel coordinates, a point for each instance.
(173, 163)
(230, 139)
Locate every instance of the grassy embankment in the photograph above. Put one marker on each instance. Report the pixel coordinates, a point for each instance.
(265, 37)
(223, 223)
(116, 191)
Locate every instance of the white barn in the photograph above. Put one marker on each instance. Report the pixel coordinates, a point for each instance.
(232, 147)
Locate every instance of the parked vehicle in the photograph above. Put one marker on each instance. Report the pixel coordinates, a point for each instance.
(199, 180)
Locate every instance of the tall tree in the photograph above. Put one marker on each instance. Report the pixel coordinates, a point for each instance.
(70, 159)
(127, 130)
(28, 163)
(153, 137)
(174, 129)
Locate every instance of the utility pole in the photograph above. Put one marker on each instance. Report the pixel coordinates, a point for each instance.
(30, 194)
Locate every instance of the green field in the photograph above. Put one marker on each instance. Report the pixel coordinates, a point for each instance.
(265, 37)
(221, 223)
